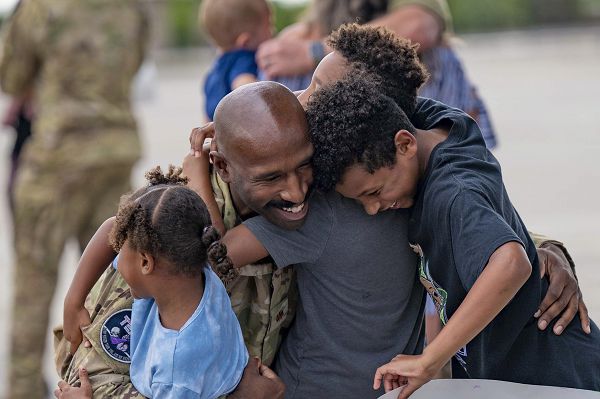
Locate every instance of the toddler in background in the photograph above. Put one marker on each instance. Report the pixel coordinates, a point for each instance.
(237, 28)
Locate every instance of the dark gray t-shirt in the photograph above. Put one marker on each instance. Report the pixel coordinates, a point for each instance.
(360, 298)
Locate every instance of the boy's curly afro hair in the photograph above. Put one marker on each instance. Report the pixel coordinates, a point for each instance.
(350, 122)
(380, 52)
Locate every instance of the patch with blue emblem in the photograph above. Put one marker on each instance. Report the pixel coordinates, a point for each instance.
(115, 335)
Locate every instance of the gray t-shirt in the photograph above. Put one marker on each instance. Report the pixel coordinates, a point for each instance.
(360, 298)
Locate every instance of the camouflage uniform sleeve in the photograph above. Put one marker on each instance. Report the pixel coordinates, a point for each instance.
(20, 59)
(541, 241)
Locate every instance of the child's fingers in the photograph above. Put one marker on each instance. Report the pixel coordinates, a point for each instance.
(388, 382)
(199, 134)
(382, 374)
(86, 386)
(57, 393)
(408, 390)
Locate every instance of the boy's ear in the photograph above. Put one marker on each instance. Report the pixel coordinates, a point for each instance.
(221, 165)
(406, 143)
(243, 40)
(148, 263)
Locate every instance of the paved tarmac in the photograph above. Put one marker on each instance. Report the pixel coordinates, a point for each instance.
(542, 91)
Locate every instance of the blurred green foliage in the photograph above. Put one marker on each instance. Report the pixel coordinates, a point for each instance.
(182, 23)
(483, 15)
(469, 15)
(286, 14)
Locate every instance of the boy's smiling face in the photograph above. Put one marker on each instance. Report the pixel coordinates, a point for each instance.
(392, 187)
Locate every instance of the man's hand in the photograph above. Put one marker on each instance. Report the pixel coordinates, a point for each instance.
(285, 57)
(75, 317)
(197, 138)
(258, 382)
(564, 297)
(66, 391)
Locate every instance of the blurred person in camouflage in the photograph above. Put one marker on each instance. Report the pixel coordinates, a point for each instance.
(78, 59)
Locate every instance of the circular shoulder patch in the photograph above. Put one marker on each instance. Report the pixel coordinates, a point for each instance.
(115, 335)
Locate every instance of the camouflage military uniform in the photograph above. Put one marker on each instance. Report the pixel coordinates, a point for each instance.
(79, 58)
(262, 296)
(109, 304)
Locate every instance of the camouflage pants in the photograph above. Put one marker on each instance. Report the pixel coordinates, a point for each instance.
(109, 375)
(51, 205)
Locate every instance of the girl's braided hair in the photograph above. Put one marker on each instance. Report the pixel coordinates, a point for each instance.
(170, 221)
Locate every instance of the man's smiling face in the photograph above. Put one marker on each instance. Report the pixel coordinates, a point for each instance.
(265, 153)
(273, 179)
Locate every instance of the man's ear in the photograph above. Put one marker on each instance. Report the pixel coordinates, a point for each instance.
(220, 163)
(406, 143)
(148, 263)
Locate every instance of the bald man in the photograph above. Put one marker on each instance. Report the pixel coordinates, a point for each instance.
(359, 297)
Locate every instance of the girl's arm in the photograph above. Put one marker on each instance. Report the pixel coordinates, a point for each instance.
(243, 248)
(98, 254)
(196, 168)
(505, 273)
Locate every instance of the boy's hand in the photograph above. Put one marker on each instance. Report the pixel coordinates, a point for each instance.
(75, 317)
(197, 138)
(410, 371)
(66, 391)
(563, 297)
(258, 382)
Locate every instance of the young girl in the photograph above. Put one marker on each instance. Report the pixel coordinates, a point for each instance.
(185, 339)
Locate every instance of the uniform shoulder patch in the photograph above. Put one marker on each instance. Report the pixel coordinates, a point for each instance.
(115, 335)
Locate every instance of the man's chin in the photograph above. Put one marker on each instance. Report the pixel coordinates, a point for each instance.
(287, 220)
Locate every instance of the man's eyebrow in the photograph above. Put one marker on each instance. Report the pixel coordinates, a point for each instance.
(318, 81)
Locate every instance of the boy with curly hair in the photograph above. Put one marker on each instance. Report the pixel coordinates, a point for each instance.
(476, 259)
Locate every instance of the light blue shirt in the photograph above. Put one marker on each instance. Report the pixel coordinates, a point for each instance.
(205, 359)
